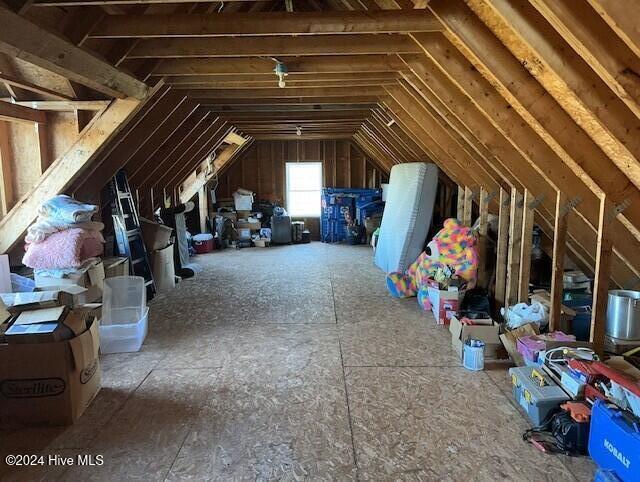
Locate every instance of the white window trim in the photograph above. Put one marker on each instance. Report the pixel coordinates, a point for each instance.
(287, 190)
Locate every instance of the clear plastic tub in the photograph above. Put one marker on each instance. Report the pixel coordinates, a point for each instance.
(125, 337)
(124, 300)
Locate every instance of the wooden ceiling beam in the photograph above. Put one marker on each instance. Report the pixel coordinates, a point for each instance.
(162, 105)
(293, 137)
(567, 78)
(262, 116)
(275, 93)
(65, 170)
(28, 86)
(484, 94)
(178, 142)
(115, 3)
(273, 46)
(67, 105)
(398, 132)
(302, 77)
(290, 84)
(214, 130)
(264, 24)
(27, 41)
(624, 21)
(300, 102)
(589, 35)
(522, 98)
(17, 113)
(191, 161)
(296, 65)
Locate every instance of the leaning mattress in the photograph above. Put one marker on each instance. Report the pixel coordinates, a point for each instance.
(407, 215)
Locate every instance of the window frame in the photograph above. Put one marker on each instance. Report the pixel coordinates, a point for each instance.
(288, 190)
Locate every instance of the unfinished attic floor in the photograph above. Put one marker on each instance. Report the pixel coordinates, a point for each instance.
(293, 363)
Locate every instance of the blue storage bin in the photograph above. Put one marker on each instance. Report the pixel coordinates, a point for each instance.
(614, 440)
(337, 201)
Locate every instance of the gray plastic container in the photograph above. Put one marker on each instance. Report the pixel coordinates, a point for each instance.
(539, 402)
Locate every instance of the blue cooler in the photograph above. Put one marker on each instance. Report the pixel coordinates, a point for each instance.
(614, 440)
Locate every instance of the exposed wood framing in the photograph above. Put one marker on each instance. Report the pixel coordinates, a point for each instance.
(514, 249)
(502, 248)
(525, 246)
(64, 170)
(482, 237)
(6, 158)
(17, 113)
(557, 267)
(602, 276)
(262, 24)
(22, 39)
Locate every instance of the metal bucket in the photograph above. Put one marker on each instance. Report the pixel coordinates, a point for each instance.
(623, 315)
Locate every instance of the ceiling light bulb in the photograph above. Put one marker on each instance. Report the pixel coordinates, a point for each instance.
(298, 131)
(281, 83)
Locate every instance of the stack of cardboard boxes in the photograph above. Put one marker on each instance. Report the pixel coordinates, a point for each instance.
(157, 239)
(49, 364)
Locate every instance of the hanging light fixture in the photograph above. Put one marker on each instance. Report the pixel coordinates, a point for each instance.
(281, 71)
(298, 130)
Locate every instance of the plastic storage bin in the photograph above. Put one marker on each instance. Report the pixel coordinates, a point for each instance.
(536, 393)
(203, 243)
(614, 440)
(123, 327)
(125, 337)
(124, 300)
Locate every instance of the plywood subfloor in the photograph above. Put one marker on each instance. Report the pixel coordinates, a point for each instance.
(293, 363)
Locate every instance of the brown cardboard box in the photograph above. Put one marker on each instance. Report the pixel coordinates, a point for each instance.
(155, 236)
(229, 215)
(489, 333)
(163, 269)
(94, 276)
(253, 226)
(115, 266)
(49, 383)
(510, 340)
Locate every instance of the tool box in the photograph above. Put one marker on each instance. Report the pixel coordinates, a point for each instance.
(614, 440)
(536, 393)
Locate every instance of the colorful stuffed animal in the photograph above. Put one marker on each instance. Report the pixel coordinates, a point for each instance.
(452, 248)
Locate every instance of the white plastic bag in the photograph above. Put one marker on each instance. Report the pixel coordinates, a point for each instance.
(522, 313)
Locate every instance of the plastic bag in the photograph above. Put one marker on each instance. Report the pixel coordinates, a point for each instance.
(522, 313)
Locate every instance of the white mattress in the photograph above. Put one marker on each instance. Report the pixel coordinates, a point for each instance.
(407, 215)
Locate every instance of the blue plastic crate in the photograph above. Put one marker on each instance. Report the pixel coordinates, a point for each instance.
(614, 440)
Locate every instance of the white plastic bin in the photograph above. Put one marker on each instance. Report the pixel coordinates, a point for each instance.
(124, 300)
(125, 337)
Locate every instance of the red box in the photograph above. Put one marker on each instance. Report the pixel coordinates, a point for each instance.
(202, 247)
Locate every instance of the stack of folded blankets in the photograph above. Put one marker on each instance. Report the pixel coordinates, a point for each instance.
(63, 240)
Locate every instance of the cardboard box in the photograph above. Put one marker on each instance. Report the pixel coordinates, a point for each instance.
(252, 226)
(49, 383)
(243, 215)
(154, 235)
(242, 202)
(233, 216)
(115, 266)
(444, 304)
(489, 333)
(509, 340)
(93, 276)
(163, 269)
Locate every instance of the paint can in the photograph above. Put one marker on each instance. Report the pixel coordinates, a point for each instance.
(473, 354)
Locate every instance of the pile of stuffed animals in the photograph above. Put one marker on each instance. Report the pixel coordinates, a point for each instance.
(453, 260)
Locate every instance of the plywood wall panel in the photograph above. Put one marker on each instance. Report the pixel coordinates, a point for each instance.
(262, 169)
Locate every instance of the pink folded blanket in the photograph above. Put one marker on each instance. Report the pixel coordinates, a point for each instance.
(64, 249)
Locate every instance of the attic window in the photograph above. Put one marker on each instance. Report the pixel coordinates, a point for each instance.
(304, 183)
